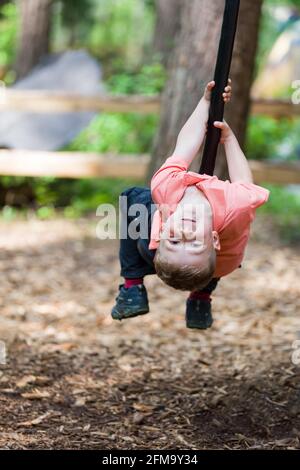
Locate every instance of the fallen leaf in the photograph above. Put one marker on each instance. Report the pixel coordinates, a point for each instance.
(143, 408)
(36, 421)
(36, 394)
(80, 401)
(27, 379)
(138, 418)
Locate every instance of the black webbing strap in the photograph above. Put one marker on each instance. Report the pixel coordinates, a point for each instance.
(216, 112)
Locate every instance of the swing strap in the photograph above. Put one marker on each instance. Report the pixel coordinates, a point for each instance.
(216, 112)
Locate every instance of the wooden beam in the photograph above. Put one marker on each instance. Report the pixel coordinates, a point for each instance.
(93, 165)
(275, 108)
(72, 164)
(275, 173)
(62, 102)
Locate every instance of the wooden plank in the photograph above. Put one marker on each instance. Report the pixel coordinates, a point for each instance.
(93, 165)
(72, 164)
(61, 102)
(275, 173)
(274, 108)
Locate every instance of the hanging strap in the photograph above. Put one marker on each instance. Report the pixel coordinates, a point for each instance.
(216, 112)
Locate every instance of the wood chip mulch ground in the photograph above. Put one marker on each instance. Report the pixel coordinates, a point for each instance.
(76, 380)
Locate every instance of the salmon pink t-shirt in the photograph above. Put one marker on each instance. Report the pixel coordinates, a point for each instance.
(233, 207)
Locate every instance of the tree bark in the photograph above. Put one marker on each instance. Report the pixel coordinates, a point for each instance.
(192, 66)
(167, 28)
(34, 34)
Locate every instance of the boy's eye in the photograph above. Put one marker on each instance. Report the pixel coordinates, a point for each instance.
(174, 242)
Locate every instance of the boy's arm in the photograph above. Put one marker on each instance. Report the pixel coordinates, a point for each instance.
(192, 134)
(238, 166)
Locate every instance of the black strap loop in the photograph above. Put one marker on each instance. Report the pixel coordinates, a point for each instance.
(222, 70)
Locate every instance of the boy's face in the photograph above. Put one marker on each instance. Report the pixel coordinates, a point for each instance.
(187, 241)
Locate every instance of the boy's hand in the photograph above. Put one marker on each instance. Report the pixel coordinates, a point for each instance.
(226, 94)
(226, 132)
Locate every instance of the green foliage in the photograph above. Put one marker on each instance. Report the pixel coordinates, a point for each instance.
(149, 80)
(74, 197)
(284, 206)
(8, 33)
(270, 30)
(122, 29)
(125, 133)
(71, 20)
(76, 12)
(291, 3)
(87, 195)
(8, 213)
(268, 34)
(268, 138)
(117, 133)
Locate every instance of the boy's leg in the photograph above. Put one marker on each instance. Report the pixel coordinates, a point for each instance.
(132, 299)
(198, 307)
(208, 290)
(133, 264)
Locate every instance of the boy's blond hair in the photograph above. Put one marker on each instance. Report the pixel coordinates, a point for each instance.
(185, 277)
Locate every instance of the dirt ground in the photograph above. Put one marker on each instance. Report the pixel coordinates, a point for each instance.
(75, 379)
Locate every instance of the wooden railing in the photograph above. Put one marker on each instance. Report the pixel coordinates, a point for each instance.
(92, 165)
(56, 102)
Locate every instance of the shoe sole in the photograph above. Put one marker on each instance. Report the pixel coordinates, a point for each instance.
(117, 316)
(194, 326)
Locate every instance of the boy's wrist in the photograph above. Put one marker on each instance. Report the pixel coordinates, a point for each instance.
(205, 101)
(229, 139)
(204, 107)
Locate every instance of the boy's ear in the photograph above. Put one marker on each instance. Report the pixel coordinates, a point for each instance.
(216, 241)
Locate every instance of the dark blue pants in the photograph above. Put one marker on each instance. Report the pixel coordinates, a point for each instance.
(135, 257)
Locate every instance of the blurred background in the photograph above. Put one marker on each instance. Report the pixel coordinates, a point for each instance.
(87, 76)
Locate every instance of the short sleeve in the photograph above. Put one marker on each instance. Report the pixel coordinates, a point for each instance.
(168, 181)
(257, 194)
(245, 198)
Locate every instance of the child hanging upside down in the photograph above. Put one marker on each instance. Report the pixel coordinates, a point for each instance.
(198, 225)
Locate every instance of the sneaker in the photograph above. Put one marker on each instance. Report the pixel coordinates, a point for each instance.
(198, 314)
(130, 302)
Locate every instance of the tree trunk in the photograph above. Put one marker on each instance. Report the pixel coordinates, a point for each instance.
(34, 34)
(192, 66)
(167, 28)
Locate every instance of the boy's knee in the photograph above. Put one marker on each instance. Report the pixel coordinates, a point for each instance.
(136, 195)
(127, 192)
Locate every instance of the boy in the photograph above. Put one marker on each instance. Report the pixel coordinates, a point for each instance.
(199, 228)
